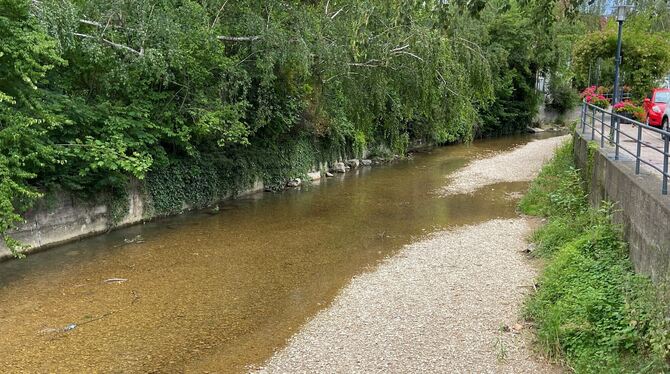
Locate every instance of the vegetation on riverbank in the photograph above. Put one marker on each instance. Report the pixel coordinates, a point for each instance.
(591, 310)
(94, 93)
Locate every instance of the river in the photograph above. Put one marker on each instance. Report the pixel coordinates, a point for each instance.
(224, 289)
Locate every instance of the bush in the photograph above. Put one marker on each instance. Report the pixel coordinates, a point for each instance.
(563, 96)
(593, 95)
(591, 309)
(629, 108)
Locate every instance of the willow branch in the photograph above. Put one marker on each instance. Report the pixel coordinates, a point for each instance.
(216, 19)
(336, 13)
(111, 43)
(238, 38)
(409, 54)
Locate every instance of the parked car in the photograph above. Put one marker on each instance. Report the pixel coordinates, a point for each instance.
(655, 106)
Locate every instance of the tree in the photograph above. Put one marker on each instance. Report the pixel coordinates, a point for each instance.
(26, 55)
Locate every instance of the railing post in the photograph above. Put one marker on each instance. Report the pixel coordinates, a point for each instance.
(611, 136)
(593, 124)
(583, 117)
(616, 140)
(664, 188)
(639, 149)
(602, 129)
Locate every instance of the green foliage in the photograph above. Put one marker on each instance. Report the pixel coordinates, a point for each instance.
(194, 183)
(95, 93)
(26, 55)
(591, 309)
(558, 189)
(646, 56)
(563, 96)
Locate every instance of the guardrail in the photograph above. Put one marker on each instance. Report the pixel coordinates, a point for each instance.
(624, 96)
(599, 120)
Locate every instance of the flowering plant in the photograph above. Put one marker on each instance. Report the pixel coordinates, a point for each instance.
(624, 106)
(588, 92)
(629, 108)
(592, 96)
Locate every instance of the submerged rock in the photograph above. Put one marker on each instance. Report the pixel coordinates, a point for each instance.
(366, 162)
(328, 174)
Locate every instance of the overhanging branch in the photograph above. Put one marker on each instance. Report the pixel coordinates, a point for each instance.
(238, 38)
(111, 43)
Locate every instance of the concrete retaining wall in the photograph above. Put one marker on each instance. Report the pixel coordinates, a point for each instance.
(548, 116)
(62, 217)
(640, 208)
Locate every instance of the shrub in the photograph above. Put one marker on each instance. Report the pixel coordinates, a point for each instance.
(593, 95)
(563, 96)
(629, 108)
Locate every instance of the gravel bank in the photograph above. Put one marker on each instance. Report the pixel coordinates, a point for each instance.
(439, 306)
(521, 164)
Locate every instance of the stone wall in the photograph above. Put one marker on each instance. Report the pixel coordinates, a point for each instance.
(639, 206)
(62, 217)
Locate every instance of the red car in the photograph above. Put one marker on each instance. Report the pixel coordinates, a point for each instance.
(655, 106)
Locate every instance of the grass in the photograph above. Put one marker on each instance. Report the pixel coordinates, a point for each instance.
(591, 310)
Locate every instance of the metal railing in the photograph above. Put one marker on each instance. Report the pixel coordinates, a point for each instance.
(607, 124)
(624, 95)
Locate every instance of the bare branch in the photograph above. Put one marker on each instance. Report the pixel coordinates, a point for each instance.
(477, 51)
(364, 64)
(398, 49)
(238, 38)
(101, 26)
(216, 19)
(92, 23)
(444, 81)
(327, 4)
(111, 43)
(336, 13)
(409, 54)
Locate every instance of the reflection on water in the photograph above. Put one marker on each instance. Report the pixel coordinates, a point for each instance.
(220, 291)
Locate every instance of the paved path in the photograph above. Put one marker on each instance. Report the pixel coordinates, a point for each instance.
(628, 143)
(446, 304)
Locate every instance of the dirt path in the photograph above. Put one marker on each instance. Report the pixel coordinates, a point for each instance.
(449, 303)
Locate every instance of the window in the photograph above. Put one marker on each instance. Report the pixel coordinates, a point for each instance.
(662, 97)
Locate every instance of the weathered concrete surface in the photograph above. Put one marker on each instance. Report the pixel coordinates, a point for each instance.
(547, 116)
(640, 208)
(62, 218)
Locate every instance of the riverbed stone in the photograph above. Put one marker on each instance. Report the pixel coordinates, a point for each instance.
(366, 162)
(353, 163)
(294, 182)
(314, 175)
(328, 174)
(339, 167)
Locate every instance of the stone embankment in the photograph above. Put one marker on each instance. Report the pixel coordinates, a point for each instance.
(63, 217)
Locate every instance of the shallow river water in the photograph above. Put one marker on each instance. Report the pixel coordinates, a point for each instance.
(220, 291)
